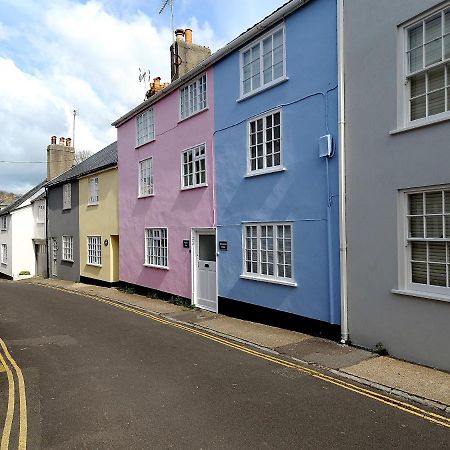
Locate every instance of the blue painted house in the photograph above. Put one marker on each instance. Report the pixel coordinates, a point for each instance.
(276, 164)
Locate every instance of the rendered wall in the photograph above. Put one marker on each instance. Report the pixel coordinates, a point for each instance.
(378, 165)
(6, 238)
(170, 207)
(99, 220)
(64, 222)
(23, 256)
(299, 193)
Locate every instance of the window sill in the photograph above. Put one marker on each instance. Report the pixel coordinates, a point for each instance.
(264, 172)
(151, 266)
(262, 89)
(67, 209)
(93, 265)
(269, 280)
(415, 126)
(4, 263)
(67, 260)
(146, 196)
(189, 188)
(145, 143)
(93, 204)
(194, 114)
(420, 294)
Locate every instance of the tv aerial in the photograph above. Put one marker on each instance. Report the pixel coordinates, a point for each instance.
(165, 4)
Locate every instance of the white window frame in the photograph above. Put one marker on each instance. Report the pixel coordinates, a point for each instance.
(67, 196)
(94, 251)
(194, 97)
(147, 189)
(405, 283)
(265, 169)
(273, 82)
(404, 84)
(162, 253)
(4, 254)
(93, 191)
(258, 275)
(4, 223)
(67, 248)
(195, 172)
(145, 127)
(40, 213)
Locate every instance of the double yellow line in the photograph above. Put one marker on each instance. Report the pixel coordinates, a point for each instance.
(7, 361)
(406, 407)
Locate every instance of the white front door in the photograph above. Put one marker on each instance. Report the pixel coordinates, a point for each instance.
(205, 280)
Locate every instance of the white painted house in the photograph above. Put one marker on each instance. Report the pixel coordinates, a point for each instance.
(22, 232)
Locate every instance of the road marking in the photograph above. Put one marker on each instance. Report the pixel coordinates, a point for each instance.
(23, 425)
(10, 411)
(406, 407)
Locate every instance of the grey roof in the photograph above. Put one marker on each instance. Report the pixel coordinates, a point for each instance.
(23, 198)
(266, 23)
(103, 159)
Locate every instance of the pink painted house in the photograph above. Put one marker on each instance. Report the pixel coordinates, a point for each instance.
(166, 190)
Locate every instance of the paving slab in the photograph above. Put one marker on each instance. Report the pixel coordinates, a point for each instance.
(324, 352)
(417, 380)
(263, 335)
(193, 316)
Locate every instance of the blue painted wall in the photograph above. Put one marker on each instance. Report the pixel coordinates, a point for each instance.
(298, 194)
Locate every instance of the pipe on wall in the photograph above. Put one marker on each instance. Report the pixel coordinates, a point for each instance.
(342, 173)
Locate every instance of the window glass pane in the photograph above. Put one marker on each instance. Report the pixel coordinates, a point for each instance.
(434, 227)
(436, 79)
(419, 273)
(419, 251)
(418, 85)
(447, 201)
(437, 251)
(246, 57)
(447, 22)
(207, 247)
(416, 227)
(416, 59)
(267, 45)
(433, 28)
(278, 70)
(438, 274)
(278, 38)
(415, 37)
(436, 102)
(418, 108)
(433, 201)
(447, 46)
(433, 52)
(447, 227)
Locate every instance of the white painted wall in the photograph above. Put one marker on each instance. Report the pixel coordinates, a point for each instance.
(39, 225)
(23, 257)
(5, 238)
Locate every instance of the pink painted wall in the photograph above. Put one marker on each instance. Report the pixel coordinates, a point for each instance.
(170, 207)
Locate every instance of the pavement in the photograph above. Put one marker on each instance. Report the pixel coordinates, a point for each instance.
(409, 381)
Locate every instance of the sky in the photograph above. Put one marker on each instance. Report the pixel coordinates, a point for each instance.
(61, 55)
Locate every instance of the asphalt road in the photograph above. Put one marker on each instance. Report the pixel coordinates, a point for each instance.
(100, 377)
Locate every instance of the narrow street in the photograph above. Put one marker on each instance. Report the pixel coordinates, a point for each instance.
(103, 377)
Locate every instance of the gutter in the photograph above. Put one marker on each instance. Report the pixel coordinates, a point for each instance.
(236, 43)
(342, 174)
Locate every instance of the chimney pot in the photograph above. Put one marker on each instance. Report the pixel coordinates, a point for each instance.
(179, 33)
(62, 141)
(53, 140)
(156, 82)
(68, 142)
(188, 35)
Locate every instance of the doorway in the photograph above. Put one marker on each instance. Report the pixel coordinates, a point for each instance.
(204, 279)
(54, 254)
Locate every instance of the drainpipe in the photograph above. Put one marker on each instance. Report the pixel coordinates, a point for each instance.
(342, 181)
(46, 232)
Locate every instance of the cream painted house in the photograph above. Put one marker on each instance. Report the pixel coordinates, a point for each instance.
(99, 223)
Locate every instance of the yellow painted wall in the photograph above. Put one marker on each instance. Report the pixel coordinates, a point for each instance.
(100, 220)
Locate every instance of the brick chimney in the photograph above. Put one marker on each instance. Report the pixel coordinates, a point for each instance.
(60, 157)
(184, 54)
(155, 87)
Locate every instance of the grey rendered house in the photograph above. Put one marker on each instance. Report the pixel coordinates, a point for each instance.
(63, 214)
(396, 67)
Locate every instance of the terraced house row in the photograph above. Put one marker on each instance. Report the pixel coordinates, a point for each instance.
(298, 169)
